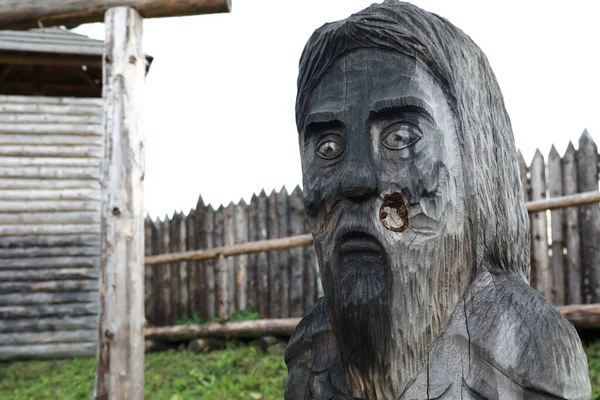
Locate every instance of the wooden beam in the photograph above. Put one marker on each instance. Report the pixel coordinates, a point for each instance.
(563, 201)
(258, 328)
(120, 366)
(233, 250)
(63, 60)
(582, 316)
(25, 14)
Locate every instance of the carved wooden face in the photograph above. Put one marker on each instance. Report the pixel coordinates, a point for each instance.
(384, 192)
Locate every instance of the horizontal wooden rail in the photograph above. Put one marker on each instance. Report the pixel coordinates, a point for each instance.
(582, 316)
(235, 329)
(306, 240)
(563, 201)
(585, 316)
(233, 250)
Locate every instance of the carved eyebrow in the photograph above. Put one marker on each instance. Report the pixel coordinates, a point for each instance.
(321, 117)
(403, 102)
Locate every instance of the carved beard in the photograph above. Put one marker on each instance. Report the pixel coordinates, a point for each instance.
(387, 309)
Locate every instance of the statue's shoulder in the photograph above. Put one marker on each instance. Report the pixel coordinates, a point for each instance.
(513, 328)
(313, 359)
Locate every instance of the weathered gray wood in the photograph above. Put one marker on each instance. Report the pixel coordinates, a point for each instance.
(37, 252)
(46, 140)
(47, 298)
(48, 351)
(149, 294)
(120, 365)
(555, 189)
(273, 219)
(184, 296)
(200, 232)
(49, 274)
(209, 265)
(540, 260)
(49, 151)
(310, 273)
(62, 128)
(589, 218)
(252, 258)
(192, 266)
(228, 278)
(174, 242)
(284, 255)
(48, 229)
(296, 215)
(36, 106)
(52, 120)
(49, 241)
(23, 338)
(35, 285)
(262, 261)
(218, 240)
(48, 184)
(573, 245)
(523, 175)
(241, 261)
(50, 262)
(42, 206)
(164, 312)
(52, 310)
(68, 217)
(22, 14)
(51, 161)
(56, 195)
(49, 324)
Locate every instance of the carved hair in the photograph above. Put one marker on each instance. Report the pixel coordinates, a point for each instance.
(497, 216)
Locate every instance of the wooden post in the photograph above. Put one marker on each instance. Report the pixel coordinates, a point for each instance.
(284, 256)
(262, 265)
(296, 210)
(120, 366)
(273, 263)
(241, 261)
(574, 278)
(557, 221)
(540, 260)
(589, 218)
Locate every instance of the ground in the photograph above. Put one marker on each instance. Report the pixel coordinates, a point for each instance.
(239, 372)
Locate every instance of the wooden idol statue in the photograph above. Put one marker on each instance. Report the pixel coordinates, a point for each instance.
(421, 232)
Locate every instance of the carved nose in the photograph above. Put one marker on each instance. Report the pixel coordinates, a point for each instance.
(358, 184)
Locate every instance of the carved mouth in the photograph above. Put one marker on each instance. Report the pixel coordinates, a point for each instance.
(357, 243)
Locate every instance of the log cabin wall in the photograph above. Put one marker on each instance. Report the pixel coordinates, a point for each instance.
(50, 165)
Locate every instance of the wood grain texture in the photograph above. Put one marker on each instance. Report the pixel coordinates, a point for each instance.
(555, 189)
(120, 363)
(573, 244)
(22, 14)
(540, 259)
(589, 218)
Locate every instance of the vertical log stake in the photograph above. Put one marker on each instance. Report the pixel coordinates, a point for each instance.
(120, 366)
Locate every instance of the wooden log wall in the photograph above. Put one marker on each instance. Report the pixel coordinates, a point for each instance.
(565, 243)
(286, 283)
(50, 157)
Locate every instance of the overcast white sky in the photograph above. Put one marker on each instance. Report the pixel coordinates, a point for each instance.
(219, 106)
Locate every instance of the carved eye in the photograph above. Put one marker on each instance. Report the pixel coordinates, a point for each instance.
(400, 135)
(329, 149)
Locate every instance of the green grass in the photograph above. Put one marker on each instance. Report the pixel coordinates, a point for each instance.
(238, 372)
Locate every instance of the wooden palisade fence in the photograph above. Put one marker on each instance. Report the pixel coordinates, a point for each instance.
(285, 283)
(277, 284)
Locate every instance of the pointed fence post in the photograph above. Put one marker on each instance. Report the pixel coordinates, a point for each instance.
(540, 260)
(573, 258)
(120, 364)
(557, 220)
(589, 218)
